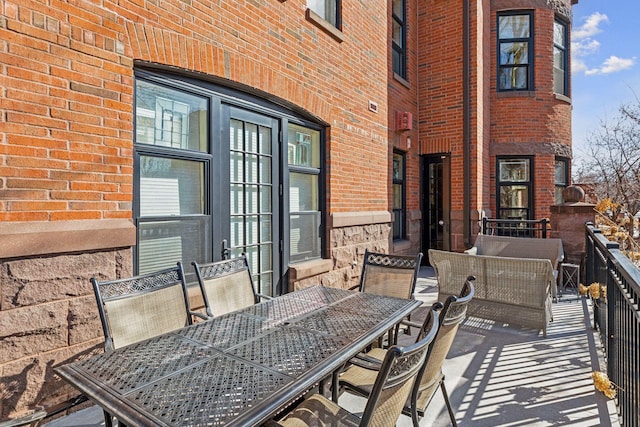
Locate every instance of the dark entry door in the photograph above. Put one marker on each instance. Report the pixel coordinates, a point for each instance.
(436, 203)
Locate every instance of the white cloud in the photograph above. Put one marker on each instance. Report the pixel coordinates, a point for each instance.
(612, 64)
(578, 65)
(583, 45)
(591, 27)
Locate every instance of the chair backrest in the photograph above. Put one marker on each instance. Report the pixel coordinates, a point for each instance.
(396, 377)
(141, 307)
(520, 247)
(226, 285)
(452, 314)
(390, 275)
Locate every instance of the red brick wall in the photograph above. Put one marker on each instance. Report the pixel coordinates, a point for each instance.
(66, 122)
(402, 97)
(66, 139)
(536, 122)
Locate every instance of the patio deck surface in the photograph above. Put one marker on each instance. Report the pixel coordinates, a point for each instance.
(500, 375)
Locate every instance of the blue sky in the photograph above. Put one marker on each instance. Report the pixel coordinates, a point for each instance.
(605, 42)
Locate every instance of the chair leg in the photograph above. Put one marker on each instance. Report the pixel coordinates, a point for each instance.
(335, 385)
(108, 420)
(446, 400)
(414, 415)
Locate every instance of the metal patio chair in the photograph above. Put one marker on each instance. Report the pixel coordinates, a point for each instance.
(391, 388)
(227, 285)
(141, 307)
(390, 275)
(361, 375)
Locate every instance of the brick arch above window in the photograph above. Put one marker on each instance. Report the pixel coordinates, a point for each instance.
(160, 46)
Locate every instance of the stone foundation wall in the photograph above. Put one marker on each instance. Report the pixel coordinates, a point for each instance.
(348, 245)
(49, 317)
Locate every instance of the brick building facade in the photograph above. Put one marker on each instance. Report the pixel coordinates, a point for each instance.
(135, 134)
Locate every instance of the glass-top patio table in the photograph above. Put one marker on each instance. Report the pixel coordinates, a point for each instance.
(241, 368)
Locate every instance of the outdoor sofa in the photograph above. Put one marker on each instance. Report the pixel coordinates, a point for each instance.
(516, 291)
(519, 247)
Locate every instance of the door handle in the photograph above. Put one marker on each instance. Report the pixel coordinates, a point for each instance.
(225, 249)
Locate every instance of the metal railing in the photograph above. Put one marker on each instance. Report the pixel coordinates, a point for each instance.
(617, 317)
(516, 227)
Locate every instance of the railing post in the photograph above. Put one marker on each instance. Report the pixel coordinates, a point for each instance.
(610, 325)
(545, 221)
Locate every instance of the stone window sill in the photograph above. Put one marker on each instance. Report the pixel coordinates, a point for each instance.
(561, 97)
(311, 268)
(324, 25)
(517, 94)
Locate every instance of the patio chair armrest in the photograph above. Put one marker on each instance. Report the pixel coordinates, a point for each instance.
(472, 251)
(410, 323)
(265, 297)
(367, 362)
(200, 315)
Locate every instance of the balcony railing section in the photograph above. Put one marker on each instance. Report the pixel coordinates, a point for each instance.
(617, 318)
(516, 227)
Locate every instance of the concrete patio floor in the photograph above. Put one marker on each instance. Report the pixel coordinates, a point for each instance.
(500, 375)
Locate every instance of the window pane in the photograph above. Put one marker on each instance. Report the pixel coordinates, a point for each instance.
(265, 228)
(265, 168)
(514, 78)
(251, 137)
(398, 8)
(325, 8)
(514, 196)
(397, 33)
(559, 73)
(397, 196)
(558, 58)
(252, 168)
(265, 199)
(514, 53)
(397, 61)
(560, 172)
(398, 224)
(264, 141)
(163, 243)
(303, 192)
(170, 118)
(236, 135)
(237, 232)
(237, 167)
(265, 257)
(513, 27)
(559, 34)
(398, 167)
(305, 236)
(303, 146)
(253, 236)
(514, 170)
(171, 187)
(237, 199)
(251, 192)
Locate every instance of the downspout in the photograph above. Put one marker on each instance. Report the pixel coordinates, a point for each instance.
(466, 124)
